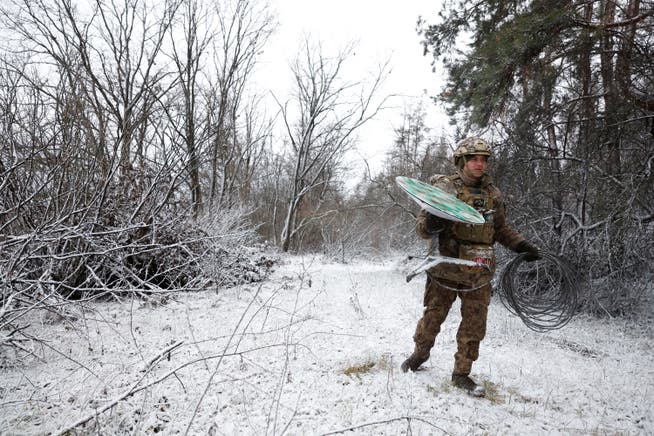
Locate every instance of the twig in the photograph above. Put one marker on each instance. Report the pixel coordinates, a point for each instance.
(387, 421)
(220, 360)
(282, 379)
(131, 327)
(195, 341)
(129, 392)
(134, 390)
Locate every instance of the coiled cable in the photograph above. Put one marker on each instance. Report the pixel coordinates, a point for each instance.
(543, 293)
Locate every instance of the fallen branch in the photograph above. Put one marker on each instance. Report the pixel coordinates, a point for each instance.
(133, 389)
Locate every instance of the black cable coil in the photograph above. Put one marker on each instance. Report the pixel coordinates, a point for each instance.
(543, 293)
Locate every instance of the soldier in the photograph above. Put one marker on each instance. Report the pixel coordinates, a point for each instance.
(472, 285)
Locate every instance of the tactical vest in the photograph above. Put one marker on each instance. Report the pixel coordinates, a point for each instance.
(472, 242)
(481, 200)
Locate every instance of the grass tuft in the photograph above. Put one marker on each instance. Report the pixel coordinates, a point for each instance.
(357, 370)
(493, 392)
(444, 388)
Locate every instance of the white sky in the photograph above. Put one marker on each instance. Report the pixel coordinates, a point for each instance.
(381, 30)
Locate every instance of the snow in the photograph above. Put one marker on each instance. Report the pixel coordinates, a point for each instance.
(316, 349)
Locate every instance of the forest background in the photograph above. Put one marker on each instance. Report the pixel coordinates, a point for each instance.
(135, 158)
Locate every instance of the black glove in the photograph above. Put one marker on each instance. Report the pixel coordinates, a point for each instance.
(529, 249)
(433, 224)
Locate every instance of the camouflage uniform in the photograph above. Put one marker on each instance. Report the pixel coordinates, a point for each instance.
(462, 241)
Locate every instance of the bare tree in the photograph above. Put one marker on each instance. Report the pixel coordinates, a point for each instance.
(321, 122)
(92, 162)
(188, 53)
(243, 29)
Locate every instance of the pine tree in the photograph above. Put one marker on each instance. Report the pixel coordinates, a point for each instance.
(568, 87)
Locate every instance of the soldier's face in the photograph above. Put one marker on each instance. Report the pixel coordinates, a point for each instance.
(475, 166)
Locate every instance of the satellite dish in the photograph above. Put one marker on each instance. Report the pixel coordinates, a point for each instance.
(438, 202)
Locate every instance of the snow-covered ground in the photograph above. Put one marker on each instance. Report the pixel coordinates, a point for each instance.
(316, 350)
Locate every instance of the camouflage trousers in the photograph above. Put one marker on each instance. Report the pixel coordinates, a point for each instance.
(438, 300)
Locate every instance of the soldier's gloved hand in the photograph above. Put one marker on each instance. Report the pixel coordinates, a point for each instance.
(529, 249)
(433, 224)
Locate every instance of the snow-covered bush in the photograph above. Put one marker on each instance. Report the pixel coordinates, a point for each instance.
(59, 267)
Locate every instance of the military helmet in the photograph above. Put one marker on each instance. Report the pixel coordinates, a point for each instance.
(470, 146)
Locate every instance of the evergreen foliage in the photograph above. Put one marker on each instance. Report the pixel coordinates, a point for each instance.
(564, 90)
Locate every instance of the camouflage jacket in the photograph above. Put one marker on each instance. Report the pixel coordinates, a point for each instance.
(487, 199)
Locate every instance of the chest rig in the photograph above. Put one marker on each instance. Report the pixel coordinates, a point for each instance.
(468, 241)
(481, 200)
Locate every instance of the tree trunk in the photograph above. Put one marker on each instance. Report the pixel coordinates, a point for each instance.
(607, 59)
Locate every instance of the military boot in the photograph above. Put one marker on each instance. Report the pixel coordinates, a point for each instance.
(414, 361)
(463, 381)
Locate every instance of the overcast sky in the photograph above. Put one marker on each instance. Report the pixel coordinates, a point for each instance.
(381, 29)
